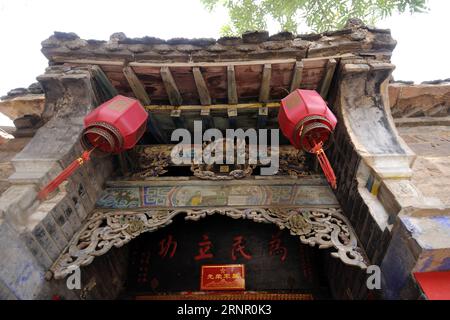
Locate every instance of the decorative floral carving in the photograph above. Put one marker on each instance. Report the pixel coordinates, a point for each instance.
(298, 223)
(293, 162)
(209, 171)
(206, 172)
(325, 228)
(151, 161)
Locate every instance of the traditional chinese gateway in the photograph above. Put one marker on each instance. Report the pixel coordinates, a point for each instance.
(139, 226)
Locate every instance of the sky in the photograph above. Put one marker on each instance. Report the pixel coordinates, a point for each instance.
(422, 52)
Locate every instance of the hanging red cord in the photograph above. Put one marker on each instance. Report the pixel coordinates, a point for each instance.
(66, 173)
(305, 119)
(325, 164)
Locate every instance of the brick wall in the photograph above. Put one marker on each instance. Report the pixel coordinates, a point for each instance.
(363, 163)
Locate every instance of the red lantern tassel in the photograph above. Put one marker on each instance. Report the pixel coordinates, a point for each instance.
(325, 164)
(66, 173)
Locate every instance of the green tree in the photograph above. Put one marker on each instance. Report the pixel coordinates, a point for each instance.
(318, 15)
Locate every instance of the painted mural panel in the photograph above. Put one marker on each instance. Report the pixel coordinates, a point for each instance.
(214, 195)
(120, 198)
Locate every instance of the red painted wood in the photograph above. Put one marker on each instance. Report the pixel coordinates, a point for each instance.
(305, 119)
(435, 285)
(119, 124)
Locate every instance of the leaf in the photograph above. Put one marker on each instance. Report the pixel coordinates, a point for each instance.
(319, 15)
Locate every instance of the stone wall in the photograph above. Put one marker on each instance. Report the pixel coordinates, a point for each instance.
(421, 100)
(374, 167)
(8, 150)
(34, 233)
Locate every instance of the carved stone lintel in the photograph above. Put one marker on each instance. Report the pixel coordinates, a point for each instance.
(324, 227)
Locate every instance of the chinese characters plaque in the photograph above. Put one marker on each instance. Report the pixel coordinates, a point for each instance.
(223, 277)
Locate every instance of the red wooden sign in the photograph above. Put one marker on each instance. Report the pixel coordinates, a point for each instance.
(223, 277)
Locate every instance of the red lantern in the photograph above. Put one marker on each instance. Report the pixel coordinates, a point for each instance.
(305, 119)
(113, 127)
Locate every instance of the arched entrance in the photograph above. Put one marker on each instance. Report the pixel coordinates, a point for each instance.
(168, 263)
(324, 228)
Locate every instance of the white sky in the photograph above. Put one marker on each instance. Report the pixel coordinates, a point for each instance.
(422, 52)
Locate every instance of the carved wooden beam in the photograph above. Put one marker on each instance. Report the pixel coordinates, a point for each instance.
(207, 120)
(149, 159)
(232, 117)
(326, 228)
(136, 85)
(202, 89)
(177, 119)
(326, 80)
(264, 92)
(232, 89)
(171, 87)
(262, 117)
(297, 75)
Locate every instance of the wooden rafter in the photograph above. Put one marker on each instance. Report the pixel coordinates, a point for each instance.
(328, 76)
(202, 89)
(297, 75)
(264, 92)
(232, 89)
(103, 82)
(211, 77)
(136, 85)
(170, 86)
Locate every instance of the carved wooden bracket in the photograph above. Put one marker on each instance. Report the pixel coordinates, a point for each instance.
(324, 227)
